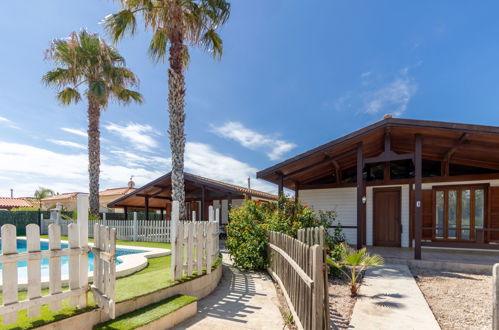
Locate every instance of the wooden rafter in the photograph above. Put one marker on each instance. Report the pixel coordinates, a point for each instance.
(388, 155)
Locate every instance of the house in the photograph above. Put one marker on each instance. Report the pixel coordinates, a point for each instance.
(200, 193)
(8, 203)
(68, 200)
(422, 183)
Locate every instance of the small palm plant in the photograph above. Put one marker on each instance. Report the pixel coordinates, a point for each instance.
(356, 261)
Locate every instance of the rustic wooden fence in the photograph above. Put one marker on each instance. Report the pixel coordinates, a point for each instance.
(127, 230)
(301, 272)
(195, 244)
(104, 251)
(77, 252)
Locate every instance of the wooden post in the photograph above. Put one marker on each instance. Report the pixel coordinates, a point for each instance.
(418, 197)
(281, 184)
(317, 294)
(162, 214)
(135, 227)
(9, 271)
(495, 297)
(202, 214)
(297, 192)
(146, 209)
(34, 271)
(125, 209)
(82, 208)
(360, 196)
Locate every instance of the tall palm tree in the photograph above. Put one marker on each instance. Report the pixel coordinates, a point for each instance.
(86, 65)
(175, 24)
(42, 193)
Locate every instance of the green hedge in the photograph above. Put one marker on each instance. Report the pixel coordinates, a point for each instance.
(21, 219)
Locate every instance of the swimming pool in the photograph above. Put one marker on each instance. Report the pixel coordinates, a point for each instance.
(22, 266)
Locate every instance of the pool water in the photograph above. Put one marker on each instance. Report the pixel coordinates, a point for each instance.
(22, 266)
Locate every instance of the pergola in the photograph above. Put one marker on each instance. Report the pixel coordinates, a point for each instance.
(156, 195)
(434, 151)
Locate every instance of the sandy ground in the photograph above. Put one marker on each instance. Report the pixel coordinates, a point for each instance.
(340, 303)
(458, 301)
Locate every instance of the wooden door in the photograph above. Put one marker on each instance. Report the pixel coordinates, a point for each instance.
(386, 220)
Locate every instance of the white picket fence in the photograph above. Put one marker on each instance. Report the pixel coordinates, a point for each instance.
(195, 244)
(126, 230)
(77, 251)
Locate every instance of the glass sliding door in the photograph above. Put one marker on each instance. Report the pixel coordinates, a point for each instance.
(459, 210)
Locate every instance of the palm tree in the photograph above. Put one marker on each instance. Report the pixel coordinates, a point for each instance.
(86, 64)
(357, 261)
(174, 25)
(42, 193)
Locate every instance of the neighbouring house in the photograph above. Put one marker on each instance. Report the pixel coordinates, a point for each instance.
(8, 203)
(200, 193)
(68, 200)
(421, 183)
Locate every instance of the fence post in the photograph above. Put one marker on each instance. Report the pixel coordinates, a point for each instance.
(495, 297)
(193, 215)
(210, 213)
(82, 221)
(173, 235)
(104, 220)
(317, 277)
(135, 226)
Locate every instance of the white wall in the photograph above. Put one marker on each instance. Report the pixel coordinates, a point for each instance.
(342, 200)
(224, 213)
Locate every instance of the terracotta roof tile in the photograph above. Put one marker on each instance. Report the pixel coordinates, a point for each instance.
(14, 202)
(61, 196)
(116, 191)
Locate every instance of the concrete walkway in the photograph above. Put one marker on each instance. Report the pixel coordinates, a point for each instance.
(241, 301)
(390, 299)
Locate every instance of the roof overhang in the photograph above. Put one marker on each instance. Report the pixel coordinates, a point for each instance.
(471, 145)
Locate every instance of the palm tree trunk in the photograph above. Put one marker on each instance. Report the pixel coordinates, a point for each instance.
(176, 104)
(93, 155)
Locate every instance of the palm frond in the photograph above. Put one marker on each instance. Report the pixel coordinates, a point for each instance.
(68, 95)
(59, 77)
(212, 43)
(158, 45)
(121, 23)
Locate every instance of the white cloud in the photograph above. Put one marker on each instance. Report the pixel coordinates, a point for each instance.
(203, 160)
(135, 159)
(140, 136)
(375, 97)
(68, 144)
(253, 140)
(75, 131)
(393, 98)
(4, 119)
(26, 167)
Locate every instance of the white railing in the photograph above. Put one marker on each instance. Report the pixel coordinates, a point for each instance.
(126, 230)
(195, 244)
(77, 251)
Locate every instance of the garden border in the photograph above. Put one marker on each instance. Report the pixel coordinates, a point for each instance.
(199, 287)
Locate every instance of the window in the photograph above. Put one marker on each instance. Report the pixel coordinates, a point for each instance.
(459, 210)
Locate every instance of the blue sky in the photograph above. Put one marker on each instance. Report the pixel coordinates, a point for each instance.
(294, 74)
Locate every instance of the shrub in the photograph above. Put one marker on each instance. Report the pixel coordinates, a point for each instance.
(246, 231)
(247, 237)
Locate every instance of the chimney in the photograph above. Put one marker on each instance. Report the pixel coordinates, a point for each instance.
(249, 183)
(11, 193)
(387, 116)
(131, 184)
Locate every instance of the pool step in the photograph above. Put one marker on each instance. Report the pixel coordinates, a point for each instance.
(161, 315)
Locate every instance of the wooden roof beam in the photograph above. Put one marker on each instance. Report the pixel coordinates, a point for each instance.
(388, 155)
(452, 150)
(327, 158)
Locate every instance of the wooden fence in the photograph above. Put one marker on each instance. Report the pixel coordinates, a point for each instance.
(301, 272)
(77, 252)
(104, 251)
(127, 230)
(195, 244)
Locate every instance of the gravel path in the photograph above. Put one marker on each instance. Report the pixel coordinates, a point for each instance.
(458, 301)
(340, 303)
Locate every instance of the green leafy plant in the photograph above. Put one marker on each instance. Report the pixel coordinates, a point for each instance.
(353, 262)
(246, 231)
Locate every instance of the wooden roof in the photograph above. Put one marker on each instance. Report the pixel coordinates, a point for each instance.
(159, 192)
(470, 145)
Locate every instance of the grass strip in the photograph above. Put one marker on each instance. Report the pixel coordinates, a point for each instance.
(148, 314)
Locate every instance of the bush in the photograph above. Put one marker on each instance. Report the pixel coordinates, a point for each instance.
(246, 231)
(246, 236)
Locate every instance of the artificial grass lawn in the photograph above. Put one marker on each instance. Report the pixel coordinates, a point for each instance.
(156, 276)
(147, 314)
